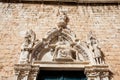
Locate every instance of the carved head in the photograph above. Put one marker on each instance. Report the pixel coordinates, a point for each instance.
(27, 35)
(60, 39)
(92, 38)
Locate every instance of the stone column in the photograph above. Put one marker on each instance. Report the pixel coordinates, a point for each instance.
(35, 75)
(26, 74)
(97, 76)
(22, 71)
(34, 72)
(16, 75)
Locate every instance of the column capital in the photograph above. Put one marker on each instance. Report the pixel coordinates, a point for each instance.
(97, 71)
(35, 70)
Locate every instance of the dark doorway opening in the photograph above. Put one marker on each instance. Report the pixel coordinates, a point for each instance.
(61, 75)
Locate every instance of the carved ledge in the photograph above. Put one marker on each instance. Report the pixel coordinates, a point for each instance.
(100, 68)
(19, 67)
(48, 62)
(61, 65)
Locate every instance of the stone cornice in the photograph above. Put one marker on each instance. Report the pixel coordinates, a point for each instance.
(81, 1)
(97, 68)
(69, 1)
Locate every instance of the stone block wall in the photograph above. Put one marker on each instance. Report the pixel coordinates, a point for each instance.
(15, 18)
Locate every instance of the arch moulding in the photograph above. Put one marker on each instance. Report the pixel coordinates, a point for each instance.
(60, 50)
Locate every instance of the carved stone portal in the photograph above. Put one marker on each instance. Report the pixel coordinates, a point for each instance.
(60, 49)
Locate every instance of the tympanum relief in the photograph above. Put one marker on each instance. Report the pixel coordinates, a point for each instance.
(60, 45)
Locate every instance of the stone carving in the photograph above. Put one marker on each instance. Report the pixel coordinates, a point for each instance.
(63, 50)
(81, 56)
(94, 49)
(26, 72)
(26, 47)
(97, 72)
(62, 19)
(60, 44)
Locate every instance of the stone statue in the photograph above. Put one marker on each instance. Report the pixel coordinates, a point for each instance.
(62, 20)
(26, 47)
(96, 52)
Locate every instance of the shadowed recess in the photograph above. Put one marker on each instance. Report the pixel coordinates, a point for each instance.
(61, 75)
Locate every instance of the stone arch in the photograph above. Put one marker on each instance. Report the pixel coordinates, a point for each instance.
(41, 49)
(52, 38)
(60, 49)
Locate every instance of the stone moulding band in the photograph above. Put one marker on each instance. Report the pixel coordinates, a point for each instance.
(80, 1)
(61, 65)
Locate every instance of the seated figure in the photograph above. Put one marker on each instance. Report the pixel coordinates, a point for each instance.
(63, 50)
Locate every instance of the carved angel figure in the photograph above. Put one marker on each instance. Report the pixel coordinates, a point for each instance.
(26, 47)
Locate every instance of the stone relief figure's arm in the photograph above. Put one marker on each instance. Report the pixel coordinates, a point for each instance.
(30, 47)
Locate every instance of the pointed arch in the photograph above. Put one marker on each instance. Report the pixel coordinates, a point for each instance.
(42, 48)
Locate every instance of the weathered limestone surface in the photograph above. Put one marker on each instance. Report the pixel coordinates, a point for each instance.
(104, 20)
